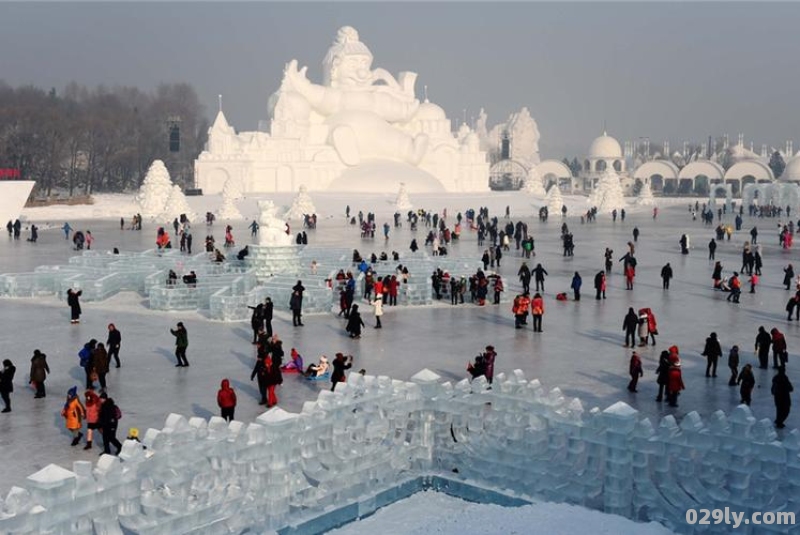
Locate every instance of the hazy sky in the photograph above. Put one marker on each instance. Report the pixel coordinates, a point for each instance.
(679, 71)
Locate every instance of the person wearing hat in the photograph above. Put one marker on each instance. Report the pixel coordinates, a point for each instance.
(747, 381)
(782, 392)
(635, 370)
(73, 413)
(340, 364)
(39, 372)
(663, 374)
(736, 288)
(733, 364)
(181, 343)
(489, 357)
(712, 352)
(378, 304)
(226, 399)
(674, 380)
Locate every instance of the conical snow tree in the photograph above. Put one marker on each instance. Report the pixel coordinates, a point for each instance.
(228, 210)
(176, 205)
(302, 205)
(155, 190)
(554, 200)
(645, 197)
(608, 195)
(403, 203)
(533, 183)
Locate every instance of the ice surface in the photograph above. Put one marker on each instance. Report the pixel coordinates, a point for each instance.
(542, 455)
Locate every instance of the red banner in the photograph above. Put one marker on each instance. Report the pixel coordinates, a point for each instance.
(9, 173)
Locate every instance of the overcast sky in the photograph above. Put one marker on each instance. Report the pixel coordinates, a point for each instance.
(677, 71)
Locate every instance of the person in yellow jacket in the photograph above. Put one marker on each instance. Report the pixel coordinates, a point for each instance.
(74, 414)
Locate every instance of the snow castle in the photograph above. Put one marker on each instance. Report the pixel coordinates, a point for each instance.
(360, 129)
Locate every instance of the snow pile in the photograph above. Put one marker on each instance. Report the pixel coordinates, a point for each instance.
(271, 229)
(155, 190)
(533, 184)
(176, 205)
(302, 205)
(434, 512)
(228, 211)
(403, 203)
(645, 197)
(608, 195)
(554, 200)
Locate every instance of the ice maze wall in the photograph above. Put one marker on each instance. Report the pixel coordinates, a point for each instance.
(366, 444)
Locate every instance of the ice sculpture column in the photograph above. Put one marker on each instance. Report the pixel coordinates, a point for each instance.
(620, 420)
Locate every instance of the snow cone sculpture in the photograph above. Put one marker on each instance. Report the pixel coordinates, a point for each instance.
(176, 206)
(533, 183)
(645, 197)
(271, 229)
(608, 195)
(228, 211)
(302, 205)
(554, 200)
(155, 190)
(403, 203)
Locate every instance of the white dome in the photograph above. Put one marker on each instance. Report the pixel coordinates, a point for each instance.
(430, 112)
(605, 146)
(792, 171)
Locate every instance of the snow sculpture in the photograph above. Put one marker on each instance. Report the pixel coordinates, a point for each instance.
(229, 211)
(554, 199)
(302, 205)
(645, 197)
(608, 195)
(319, 132)
(176, 205)
(403, 203)
(155, 190)
(533, 184)
(522, 131)
(271, 229)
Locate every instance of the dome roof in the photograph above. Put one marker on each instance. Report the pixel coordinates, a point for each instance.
(792, 171)
(605, 146)
(428, 111)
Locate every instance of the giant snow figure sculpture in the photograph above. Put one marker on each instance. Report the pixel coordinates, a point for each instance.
(363, 118)
(271, 229)
(360, 129)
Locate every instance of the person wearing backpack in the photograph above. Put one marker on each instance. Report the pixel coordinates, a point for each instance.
(109, 420)
(85, 356)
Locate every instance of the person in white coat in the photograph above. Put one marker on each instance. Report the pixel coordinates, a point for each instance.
(378, 304)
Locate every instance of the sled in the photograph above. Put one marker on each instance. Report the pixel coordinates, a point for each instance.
(324, 377)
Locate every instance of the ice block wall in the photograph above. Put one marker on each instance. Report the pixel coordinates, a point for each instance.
(374, 434)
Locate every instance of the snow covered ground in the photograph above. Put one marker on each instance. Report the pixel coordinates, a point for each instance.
(428, 513)
(580, 350)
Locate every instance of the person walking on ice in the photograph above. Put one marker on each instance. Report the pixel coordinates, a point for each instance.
(181, 343)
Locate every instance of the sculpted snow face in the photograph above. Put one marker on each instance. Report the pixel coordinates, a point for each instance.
(364, 118)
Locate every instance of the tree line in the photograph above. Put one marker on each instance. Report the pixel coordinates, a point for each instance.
(103, 139)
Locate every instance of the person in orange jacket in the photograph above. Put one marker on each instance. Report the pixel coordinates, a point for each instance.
(74, 414)
(226, 399)
(537, 309)
(517, 311)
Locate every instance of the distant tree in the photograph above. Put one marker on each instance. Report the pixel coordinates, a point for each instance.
(637, 187)
(777, 164)
(575, 167)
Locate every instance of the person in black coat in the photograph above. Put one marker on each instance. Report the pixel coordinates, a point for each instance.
(354, 323)
(763, 341)
(261, 371)
(296, 304)
(788, 276)
(113, 343)
(538, 273)
(268, 308)
(257, 320)
(666, 275)
(781, 390)
(712, 352)
(340, 364)
(108, 421)
(629, 325)
(7, 383)
(74, 305)
(663, 374)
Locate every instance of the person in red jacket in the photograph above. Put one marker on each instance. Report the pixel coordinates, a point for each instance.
(226, 399)
(674, 380)
(537, 310)
(779, 351)
(393, 286)
(635, 371)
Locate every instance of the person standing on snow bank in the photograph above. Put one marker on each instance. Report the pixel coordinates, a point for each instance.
(181, 343)
(226, 399)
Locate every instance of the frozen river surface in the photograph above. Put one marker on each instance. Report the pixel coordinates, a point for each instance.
(579, 351)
